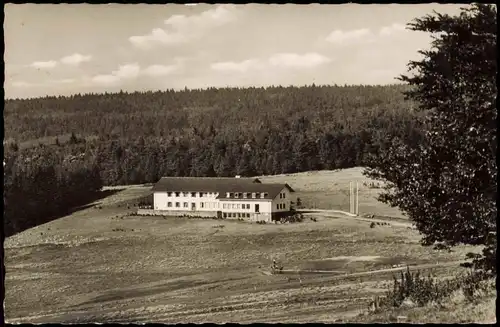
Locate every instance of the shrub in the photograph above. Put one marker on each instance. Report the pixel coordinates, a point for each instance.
(372, 225)
(295, 218)
(423, 290)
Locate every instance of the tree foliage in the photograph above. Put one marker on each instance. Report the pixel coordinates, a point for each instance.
(447, 184)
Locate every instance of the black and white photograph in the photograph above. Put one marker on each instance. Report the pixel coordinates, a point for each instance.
(250, 163)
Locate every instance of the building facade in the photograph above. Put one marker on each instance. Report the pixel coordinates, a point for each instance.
(230, 198)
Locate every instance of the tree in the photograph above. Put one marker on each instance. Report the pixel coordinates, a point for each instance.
(447, 183)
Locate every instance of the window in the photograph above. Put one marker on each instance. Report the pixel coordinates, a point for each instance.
(177, 204)
(201, 194)
(228, 195)
(169, 193)
(186, 205)
(248, 205)
(193, 194)
(284, 195)
(177, 194)
(253, 195)
(224, 215)
(224, 206)
(169, 204)
(277, 206)
(202, 204)
(248, 215)
(236, 195)
(263, 195)
(281, 195)
(234, 206)
(244, 195)
(238, 206)
(257, 195)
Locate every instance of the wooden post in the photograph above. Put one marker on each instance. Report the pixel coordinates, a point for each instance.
(357, 199)
(351, 197)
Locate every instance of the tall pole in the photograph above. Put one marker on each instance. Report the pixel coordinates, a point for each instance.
(351, 198)
(357, 198)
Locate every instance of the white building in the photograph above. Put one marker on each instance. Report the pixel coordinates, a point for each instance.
(235, 198)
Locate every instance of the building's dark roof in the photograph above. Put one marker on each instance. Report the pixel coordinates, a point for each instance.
(221, 185)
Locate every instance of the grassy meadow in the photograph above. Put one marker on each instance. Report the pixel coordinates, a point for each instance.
(104, 264)
(329, 189)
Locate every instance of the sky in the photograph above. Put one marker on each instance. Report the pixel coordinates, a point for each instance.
(65, 49)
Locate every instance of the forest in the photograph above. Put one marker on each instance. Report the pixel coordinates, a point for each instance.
(58, 149)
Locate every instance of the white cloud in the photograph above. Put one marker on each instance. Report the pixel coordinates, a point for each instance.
(392, 29)
(183, 28)
(348, 37)
(159, 70)
(127, 71)
(293, 60)
(75, 59)
(157, 36)
(218, 16)
(44, 64)
(232, 66)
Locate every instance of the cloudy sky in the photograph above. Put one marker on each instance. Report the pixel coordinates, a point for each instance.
(65, 49)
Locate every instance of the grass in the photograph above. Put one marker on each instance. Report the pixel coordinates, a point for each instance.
(329, 189)
(105, 265)
(455, 309)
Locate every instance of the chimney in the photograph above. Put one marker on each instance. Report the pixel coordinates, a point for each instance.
(237, 176)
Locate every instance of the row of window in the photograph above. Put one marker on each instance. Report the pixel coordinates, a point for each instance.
(237, 195)
(282, 195)
(280, 206)
(208, 205)
(246, 195)
(236, 215)
(192, 194)
(235, 206)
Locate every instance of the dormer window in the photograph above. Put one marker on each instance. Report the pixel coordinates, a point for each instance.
(244, 195)
(228, 195)
(236, 195)
(263, 195)
(257, 194)
(193, 194)
(177, 194)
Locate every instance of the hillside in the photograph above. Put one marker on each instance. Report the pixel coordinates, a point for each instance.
(329, 189)
(70, 146)
(102, 264)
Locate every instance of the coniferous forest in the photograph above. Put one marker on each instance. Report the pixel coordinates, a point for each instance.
(60, 149)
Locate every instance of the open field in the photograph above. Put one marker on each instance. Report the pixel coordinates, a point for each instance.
(99, 265)
(102, 264)
(329, 189)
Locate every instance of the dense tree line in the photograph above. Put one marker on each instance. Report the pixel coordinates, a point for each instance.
(40, 184)
(139, 137)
